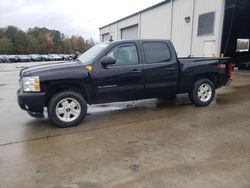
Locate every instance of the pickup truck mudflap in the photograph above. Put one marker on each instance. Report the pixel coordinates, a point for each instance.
(229, 82)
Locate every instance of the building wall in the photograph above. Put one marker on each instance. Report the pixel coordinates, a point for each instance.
(182, 30)
(155, 24)
(199, 42)
(168, 22)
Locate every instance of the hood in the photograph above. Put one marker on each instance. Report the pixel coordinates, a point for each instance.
(56, 71)
(36, 70)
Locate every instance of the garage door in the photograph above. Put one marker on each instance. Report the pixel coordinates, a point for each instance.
(130, 32)
(105, 37)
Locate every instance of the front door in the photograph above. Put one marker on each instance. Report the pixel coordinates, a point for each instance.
(124, 79)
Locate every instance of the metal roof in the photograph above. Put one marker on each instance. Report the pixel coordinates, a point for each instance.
(144, 10)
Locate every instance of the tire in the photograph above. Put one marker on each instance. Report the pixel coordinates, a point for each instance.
(67, 109)
(203, 92)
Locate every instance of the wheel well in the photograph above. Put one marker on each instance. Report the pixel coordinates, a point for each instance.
(51, 91)
(212, 77)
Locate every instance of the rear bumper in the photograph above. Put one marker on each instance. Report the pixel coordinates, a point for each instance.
(32, 102)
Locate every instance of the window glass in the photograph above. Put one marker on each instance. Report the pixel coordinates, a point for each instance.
(88, 56)
(206, 24)
(156, 52)
(125, 55)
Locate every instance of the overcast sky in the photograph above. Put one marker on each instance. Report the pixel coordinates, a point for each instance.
(72, 17)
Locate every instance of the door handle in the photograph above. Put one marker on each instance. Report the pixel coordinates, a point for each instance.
(170, 69)
(136, 70)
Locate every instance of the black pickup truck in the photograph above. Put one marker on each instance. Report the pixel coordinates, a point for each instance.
(118, 71)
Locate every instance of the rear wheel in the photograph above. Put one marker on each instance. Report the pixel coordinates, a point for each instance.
(67, 109)
(203, 92)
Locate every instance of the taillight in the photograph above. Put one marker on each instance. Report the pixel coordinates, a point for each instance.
(221, 66)
(229, 69)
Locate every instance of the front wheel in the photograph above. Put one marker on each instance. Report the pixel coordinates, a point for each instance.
(202, 93)
(67, 109)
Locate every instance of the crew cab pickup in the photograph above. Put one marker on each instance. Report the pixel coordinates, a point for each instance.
(118, 71)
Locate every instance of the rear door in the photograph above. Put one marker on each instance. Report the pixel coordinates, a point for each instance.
(160, 69)
(124, 79)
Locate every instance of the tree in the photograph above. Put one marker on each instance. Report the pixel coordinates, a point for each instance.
(1, 32)
(67, 48)
(18, 38)
(33, 45)
(42, 41)
(6, 47)
(90, 43)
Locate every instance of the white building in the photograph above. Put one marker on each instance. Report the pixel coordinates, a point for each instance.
(194, 26)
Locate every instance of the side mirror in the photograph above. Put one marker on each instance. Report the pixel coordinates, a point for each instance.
(107, 60)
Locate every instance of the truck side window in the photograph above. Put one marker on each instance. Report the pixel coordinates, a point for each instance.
(156, 52)
(125, 55)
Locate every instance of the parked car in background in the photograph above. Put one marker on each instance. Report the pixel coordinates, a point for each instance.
(62, 56)
(12, 58)
(66, 57)
(69, 57)
(45, 57)
(55, 57)
(23, 58)
(3, 59)
(35, 57)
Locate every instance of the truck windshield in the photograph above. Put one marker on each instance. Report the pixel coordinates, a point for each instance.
(87, 57)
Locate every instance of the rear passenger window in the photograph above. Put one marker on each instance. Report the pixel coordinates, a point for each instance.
(156, 52)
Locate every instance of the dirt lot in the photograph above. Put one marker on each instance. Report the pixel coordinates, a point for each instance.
(149, 143)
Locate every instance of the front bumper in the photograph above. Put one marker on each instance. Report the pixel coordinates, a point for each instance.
(31, 102)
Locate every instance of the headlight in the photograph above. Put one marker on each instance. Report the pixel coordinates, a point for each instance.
(31, 84)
